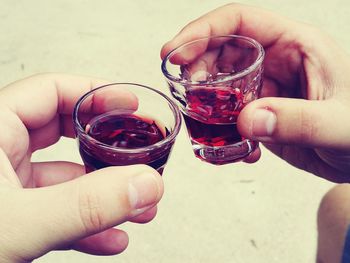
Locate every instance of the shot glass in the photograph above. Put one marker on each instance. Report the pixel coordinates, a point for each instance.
(125, 124)
(212, 79)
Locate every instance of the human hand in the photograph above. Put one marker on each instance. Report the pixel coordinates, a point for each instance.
(304, 116)
(49, 205)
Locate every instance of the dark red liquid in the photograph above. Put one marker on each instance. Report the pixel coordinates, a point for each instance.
(126, 131)
(212, 134)
(212, 114)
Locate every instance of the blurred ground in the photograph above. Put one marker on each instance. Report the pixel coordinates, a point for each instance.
(264, 212)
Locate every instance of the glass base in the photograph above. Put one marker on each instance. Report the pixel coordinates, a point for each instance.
(224, 154)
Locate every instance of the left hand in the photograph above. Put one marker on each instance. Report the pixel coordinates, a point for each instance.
(61, 210)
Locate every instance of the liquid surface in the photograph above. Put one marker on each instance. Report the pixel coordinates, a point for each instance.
(126, 131)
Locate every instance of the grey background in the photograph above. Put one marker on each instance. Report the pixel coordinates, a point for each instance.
(264, 212)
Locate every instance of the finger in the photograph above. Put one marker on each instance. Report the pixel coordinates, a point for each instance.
(324, 124)
(47, 135)
(110, 242)
(308, 160)
(145, 217)
(35, 102)
(104, 100)
(50, 133)
(7, 175)
(202, 67)
(253, 157)
(61, 92)
(89, 204)
(51, 173)
(269, 89)
(225, 57)
(337, 159)
(233, 19)
(52, 95)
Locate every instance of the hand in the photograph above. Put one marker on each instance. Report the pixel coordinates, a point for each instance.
(61, 209)
(304, 116)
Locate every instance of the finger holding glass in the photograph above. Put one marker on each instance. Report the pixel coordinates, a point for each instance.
(305, 94)
(212, 79)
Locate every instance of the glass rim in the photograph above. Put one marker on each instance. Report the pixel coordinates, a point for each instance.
(79, 130)
(258, 61)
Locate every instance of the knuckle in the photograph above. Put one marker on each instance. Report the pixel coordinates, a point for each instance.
(91, 214)
(308, 128)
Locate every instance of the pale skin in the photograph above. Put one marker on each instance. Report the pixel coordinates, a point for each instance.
(304, 115)
(49, 205)
(305, 88)
(304, 118)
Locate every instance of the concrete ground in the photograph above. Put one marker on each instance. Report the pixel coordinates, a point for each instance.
(263, 212)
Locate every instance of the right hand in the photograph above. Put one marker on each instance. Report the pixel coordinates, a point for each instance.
(304, 116)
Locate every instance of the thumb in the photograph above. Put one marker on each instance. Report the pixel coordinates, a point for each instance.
(89, 204)
(297, 121)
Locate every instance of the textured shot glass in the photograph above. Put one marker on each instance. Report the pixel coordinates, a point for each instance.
(124, 124)
(212, 79)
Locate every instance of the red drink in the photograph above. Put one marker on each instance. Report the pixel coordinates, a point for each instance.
(212, 134)
(211, 116)
(212, 79)
(214, 104)
(123, 131)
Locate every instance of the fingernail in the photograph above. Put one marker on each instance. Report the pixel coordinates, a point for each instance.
(143, 191)
(200, 75)
(264, 123)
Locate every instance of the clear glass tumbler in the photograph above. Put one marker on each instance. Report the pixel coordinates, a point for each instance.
(212, 79)
(124, 124)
